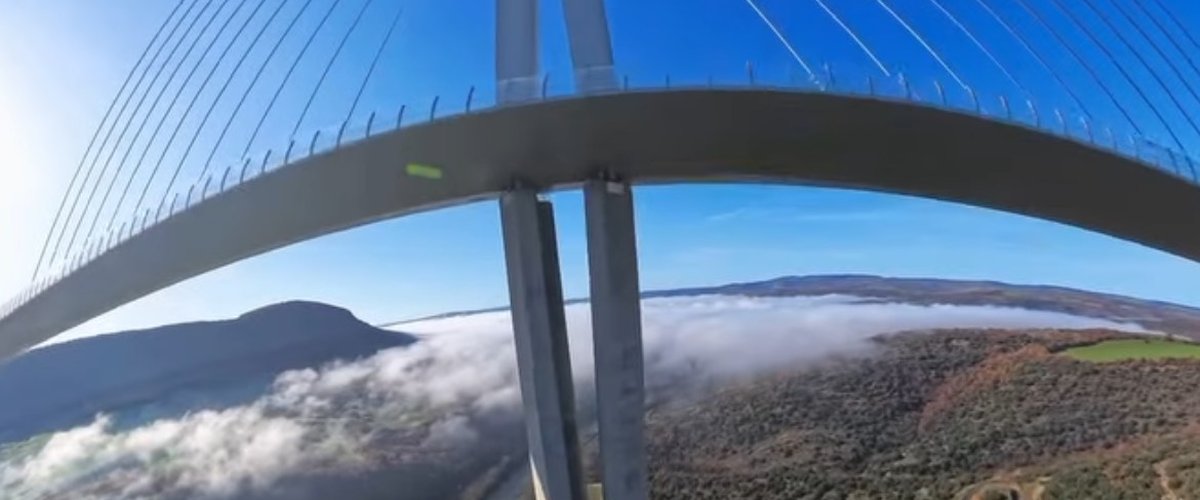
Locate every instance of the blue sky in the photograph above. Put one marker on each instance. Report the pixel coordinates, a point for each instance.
(61, 63)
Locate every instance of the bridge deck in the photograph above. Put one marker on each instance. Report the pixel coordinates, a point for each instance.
(664, 136)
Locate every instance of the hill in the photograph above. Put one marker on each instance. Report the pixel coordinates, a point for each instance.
(178, 367)
(952, 414)
(1154, 315)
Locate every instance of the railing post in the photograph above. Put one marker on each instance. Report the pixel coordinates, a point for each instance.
(312, 145)
(287, 154)
(433, 107)
(187, 202)
(470, 97)
(1061, 121)
(267, 157)
(871, 85)
(1037, 119)
(545, 91)
(245, 167)
(171, 210)
(400, 116)
(158, 212)
(1112, 138)
(829, 75)
(941, 92)
(204, 192)
(145, 219)
(1087, 128)
(750, 73)
(667, 82)
(974, 100)
(224, 178)
(625, 83)
(341, 130)
(370, 121)
(907, 88)
(1007, 109)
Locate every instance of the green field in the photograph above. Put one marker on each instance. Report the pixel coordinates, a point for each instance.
(1119, 350)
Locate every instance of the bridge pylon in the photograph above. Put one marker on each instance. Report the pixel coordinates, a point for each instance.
(540, 338)
(535, 288)
(616, 338)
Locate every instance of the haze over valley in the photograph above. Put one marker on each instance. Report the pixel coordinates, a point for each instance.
(799, 387)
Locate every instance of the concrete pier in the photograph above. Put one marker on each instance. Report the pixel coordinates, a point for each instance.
(543, 357)
(616, 338)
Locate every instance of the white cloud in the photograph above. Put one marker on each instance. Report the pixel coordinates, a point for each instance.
(332, 418)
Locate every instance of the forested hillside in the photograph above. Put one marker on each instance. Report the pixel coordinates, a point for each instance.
(954, 414)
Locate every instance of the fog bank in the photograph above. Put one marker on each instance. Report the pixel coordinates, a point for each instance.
(434, 396)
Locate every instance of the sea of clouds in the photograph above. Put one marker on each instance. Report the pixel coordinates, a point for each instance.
(330, 418)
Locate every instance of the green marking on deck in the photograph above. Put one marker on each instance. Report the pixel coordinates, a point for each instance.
(423, 171)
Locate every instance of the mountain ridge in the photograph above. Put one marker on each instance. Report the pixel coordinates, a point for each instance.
(1167, 317)
(63, 384)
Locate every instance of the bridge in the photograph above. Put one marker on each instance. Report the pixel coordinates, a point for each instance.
(1124, 172)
